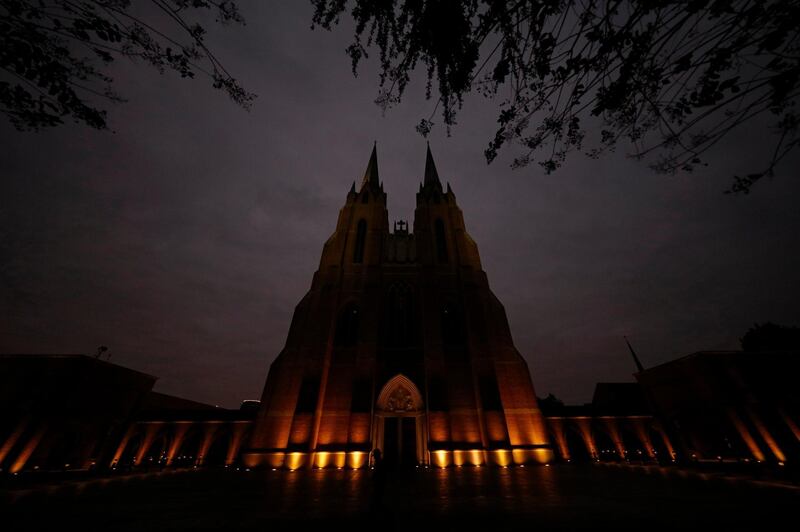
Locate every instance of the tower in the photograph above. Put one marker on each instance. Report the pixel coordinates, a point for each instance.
(400, 345)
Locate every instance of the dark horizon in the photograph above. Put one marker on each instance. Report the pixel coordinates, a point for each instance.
(184, 239)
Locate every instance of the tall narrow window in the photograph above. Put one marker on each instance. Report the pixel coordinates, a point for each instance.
(361, 237)
(398, 316)
(347, 327)
(441, 243)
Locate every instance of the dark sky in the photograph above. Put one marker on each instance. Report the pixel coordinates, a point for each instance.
(184, 239)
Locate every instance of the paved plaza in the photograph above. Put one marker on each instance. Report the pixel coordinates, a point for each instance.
(534, 498)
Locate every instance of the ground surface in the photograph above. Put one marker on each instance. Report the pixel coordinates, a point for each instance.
(533, 498)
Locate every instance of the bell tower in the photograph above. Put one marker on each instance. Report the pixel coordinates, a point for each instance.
(363, 221)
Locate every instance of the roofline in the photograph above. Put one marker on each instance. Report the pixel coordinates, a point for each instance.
(76, 356)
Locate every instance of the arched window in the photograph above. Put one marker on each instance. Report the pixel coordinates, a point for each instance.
(347, 327)
(441, 243)
(361, 237)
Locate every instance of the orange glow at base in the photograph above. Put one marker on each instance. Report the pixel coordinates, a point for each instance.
(473, 457)
(236, 443)
(533, 456)
(325, 459)
(12, 440)
(502, 457)
(790, 423)
(765, 435)
(27, 451)
(122, 445)
(177, 440)
(441, 458)
(295, 460)
(356, 459)
(746, 436)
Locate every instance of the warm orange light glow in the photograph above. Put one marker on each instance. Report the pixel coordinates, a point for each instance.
(122, 444)
(745, 435)
(295, 460)
(458, 458)
(271, 460)
(359, 428)
(27, 451)
(535, 456)
(641, 433)
(12, 440)
(149, 436)
(476, 457)
(667, 443)
(180, 432)
(209, 430)
(438, 426)
(339, 459)
(765, 435)
(236, 442)
(613, 431)
(560, 436)
(325, 459)
(526, 426)
(322, 459)
(441, 458)
(502, 457)
(357, 459)
(585, 430)
(472, 457)
(790, 423)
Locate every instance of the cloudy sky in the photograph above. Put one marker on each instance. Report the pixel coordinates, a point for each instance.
(184, 238)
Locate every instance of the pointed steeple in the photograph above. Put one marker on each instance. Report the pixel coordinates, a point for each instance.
(431, 175)
(371, 179)
(635, 358)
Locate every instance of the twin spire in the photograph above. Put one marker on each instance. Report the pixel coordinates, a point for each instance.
(431, 175)
(372, 180)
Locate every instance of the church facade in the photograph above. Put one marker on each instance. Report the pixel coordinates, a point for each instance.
(399, 345)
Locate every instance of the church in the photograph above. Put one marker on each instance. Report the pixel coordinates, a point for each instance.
(399, 345)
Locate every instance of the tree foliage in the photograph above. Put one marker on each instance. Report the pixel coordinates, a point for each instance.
(53, 54)
(670, 77)
(771, 337)
(550, 404)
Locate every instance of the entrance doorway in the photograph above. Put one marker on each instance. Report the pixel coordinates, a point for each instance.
(399, 429)
(400, 441)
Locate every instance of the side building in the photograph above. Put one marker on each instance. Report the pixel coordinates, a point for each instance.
(72, 413)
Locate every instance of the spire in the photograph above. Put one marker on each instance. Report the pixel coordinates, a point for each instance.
(636, 361)
(431, 175)
(371, 175)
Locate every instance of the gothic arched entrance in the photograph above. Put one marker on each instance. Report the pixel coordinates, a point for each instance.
(400, 428)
